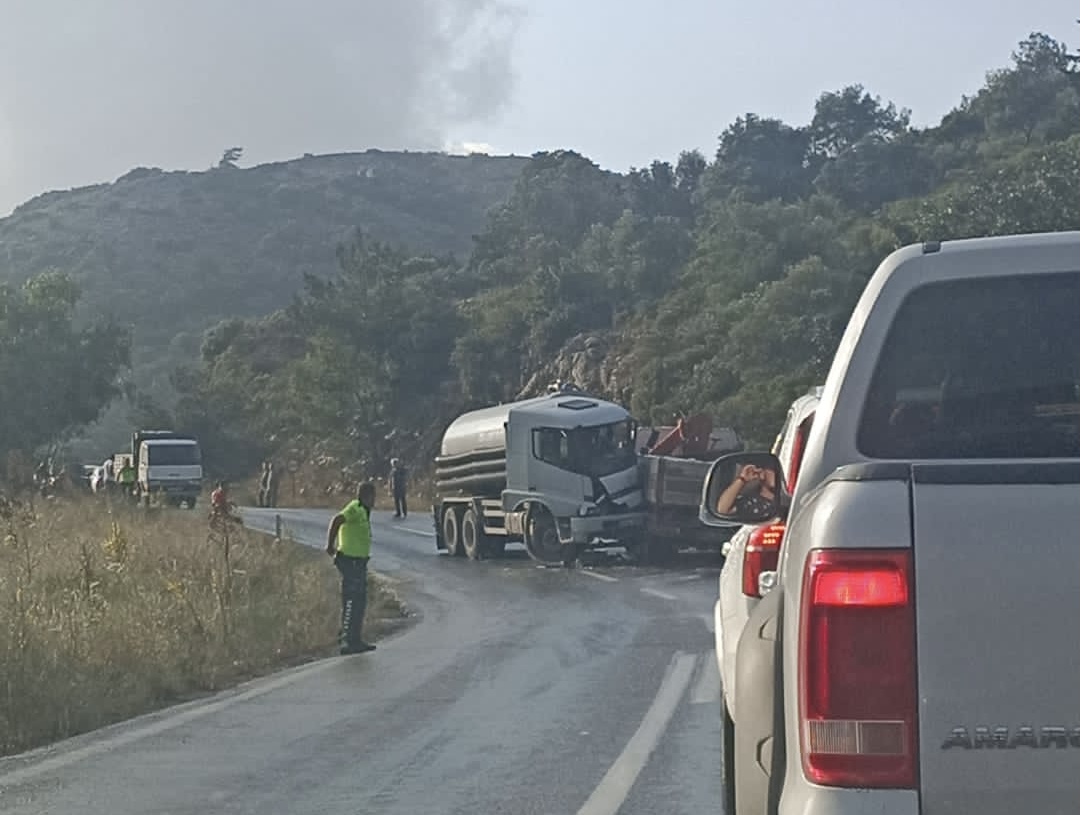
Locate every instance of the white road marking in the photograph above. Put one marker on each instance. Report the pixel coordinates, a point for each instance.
(424, 533)
(610, 794)
(663, 595)
(707, 688)
(183, 715)
(598, 576)
(686, 578)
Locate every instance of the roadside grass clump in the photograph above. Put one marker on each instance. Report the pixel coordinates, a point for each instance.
(109, 610)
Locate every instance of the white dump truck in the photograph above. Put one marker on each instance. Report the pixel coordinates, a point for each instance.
(558, 473)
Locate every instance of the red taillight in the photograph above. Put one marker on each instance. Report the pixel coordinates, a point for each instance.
(857, 685)
(761, 555)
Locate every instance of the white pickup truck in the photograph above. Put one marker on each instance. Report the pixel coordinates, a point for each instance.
(920, 651)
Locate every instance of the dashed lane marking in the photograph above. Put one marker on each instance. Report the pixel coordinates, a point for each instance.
(612, 790)
(598, 576)
(663, 595)
(707, 687)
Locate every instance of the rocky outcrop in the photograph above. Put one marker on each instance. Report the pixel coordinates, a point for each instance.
(589, 361)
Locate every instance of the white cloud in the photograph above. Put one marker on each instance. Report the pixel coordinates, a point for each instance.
(465, 148)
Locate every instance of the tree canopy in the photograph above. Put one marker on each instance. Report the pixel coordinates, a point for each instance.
(58, 376)
(715, 284)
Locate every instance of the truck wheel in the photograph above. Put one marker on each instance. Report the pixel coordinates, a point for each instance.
(727, 768)
(472, 535)
(451, 532)
(542, 538)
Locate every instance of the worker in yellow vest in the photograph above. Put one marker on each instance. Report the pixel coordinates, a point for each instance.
(348, 541)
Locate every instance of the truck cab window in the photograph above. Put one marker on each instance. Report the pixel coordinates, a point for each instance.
(986, 368)
(593, 451)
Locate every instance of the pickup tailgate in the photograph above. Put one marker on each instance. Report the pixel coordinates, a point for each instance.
(997, 588)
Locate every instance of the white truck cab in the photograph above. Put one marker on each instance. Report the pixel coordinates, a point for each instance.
(919, 652)
(170, 467)
(557, 473)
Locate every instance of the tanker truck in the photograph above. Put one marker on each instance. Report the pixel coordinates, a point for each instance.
(558, 473)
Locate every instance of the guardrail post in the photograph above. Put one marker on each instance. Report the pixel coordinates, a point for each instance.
(277, 527)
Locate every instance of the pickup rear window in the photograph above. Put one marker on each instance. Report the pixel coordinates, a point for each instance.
(980, 368)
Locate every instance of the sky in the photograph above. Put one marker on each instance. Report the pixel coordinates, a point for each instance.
(90, 89)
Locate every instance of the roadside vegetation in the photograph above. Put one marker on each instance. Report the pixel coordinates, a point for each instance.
(108, 611)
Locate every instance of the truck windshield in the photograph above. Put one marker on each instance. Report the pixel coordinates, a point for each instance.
(593, 451)
(173, 455)
(984, 368)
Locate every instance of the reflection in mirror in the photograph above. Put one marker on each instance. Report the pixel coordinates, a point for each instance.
(745, 488)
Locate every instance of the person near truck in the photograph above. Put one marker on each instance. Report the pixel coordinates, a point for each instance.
(126, 478)
(399, 485)
(261, 499)
(273, 480)
(348, 541)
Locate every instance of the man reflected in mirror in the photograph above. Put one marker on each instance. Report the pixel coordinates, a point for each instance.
(752, 492)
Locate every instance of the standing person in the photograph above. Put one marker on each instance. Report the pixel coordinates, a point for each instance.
(348, 541)
(273, 479)
(399, 484)
(127, 478)
(263, 478)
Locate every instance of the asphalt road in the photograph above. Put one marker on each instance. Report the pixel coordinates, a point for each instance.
(520, 690)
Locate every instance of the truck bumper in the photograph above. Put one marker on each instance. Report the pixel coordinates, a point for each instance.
(176, 490)
(585, 530)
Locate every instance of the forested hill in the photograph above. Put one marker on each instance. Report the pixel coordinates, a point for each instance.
(713, 283)
(172, 253)
(717, 284)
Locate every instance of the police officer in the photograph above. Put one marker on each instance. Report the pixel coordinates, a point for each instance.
(348, 541)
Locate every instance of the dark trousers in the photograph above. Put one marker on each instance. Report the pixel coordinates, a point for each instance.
(353, 598)
(400, 507)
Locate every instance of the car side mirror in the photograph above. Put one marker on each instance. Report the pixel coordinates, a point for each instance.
(743, 488)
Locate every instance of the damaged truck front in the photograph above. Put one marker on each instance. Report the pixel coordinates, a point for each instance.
(558, 473)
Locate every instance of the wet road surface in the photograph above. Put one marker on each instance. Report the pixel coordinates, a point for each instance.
(519, 690)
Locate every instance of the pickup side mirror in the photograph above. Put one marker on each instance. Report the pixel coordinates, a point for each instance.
(743, 488)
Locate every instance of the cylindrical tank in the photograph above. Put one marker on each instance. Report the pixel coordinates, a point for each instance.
(472, 457)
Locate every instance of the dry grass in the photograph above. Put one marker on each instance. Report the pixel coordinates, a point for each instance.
(110, 611)
(328, 488)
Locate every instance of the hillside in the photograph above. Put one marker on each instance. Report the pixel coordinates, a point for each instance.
(718, 285)
(172, 253)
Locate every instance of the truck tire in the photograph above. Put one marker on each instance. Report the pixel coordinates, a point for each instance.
(451, 530)
(542, 537)
(472, 535)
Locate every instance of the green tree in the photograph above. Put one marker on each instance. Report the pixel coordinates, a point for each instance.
(764, 158)
(230, 158)
(844, 118)
(58, 375)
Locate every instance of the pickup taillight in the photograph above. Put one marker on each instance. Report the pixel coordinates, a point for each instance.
(857, 680)
(762, 554)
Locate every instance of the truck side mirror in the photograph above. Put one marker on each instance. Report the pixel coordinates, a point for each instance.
(743, 488)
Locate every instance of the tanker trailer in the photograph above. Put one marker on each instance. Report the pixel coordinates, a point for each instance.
(557, 473)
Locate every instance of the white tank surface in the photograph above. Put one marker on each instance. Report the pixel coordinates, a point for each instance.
(480, 431)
